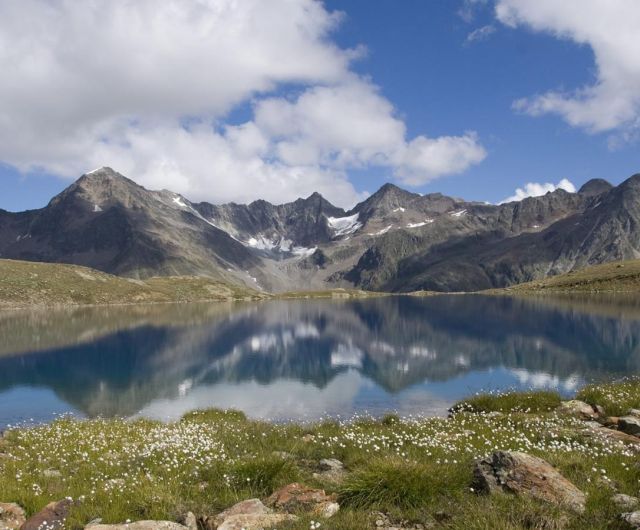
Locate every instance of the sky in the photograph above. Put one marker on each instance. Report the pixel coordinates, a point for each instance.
(235, 100)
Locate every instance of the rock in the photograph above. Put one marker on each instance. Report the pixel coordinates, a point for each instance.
(138, 525)
(12, 516)
(625, 502)
(189, 520)
(523, 474)
(577, 409)
(248, 507)
(298, 497)
(255, 522)
(332, 470)
(51, 473)
(51, 517)
(634, 412)
(632, 519)
(595, 429)
(326, 509)
(612, 421)
(629, 425)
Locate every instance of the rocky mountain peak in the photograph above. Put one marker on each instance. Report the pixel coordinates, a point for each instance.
(595, 187)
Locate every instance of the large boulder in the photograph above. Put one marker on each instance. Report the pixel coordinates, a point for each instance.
(51, 517)
(629, 425)
(523, 474)
(578, 409)
(12, 516)
(296, 497)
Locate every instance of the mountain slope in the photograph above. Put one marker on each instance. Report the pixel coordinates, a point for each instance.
(393, 241)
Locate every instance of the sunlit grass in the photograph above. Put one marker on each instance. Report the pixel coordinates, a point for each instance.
(616, 397)
(414, 469)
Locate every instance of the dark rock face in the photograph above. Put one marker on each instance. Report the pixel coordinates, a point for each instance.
(394, 240)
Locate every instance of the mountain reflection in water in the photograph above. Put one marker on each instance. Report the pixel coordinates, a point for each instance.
(306, 359)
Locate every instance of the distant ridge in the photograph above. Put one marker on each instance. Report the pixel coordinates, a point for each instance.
(394, 240)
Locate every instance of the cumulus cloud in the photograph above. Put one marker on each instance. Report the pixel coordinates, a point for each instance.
(147, 88)
(536, 189)
(610, 29)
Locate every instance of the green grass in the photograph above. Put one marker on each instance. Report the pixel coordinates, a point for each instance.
(616, 397)
(27, 284)
(618, 276)
(534, 401)
(416, 470)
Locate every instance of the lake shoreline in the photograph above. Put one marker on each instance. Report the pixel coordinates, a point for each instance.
(391, 472)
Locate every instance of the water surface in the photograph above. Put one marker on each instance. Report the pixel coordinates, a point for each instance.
(306, 359)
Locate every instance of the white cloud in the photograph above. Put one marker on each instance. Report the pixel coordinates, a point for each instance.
(146, 88)
(536, 189)
(610, 29)
(482, 33)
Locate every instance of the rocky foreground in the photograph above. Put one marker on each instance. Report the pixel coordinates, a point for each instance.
(508, 461)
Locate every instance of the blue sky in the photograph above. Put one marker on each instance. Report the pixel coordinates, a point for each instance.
(409, 67)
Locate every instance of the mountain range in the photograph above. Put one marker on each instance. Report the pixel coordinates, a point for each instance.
(394, 240)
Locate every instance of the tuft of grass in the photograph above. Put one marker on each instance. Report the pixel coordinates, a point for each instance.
(533, 401)
(390, 483)
(616, 397)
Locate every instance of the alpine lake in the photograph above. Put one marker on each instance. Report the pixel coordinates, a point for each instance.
(307, 359)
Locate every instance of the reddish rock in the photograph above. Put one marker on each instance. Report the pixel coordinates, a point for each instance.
(298, 497)
(523, 474)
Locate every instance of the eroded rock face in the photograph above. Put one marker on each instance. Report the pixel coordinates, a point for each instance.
(12, 516)
(300, 498)
(629, 425)
(51, 517)
(139, 525)
(523, 474)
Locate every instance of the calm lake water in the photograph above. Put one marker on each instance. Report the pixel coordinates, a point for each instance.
(307, 359)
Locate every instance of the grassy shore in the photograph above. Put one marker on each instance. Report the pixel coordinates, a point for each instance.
(417, 469)
(30, 284)
(615, 277)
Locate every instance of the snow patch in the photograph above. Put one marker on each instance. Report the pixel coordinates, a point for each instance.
(399, 209)
(416, 225)
(179, 202)
(96, 208)
(384, 230)
(458, 214)
(94, 170)
(304, 252)
(343, 226)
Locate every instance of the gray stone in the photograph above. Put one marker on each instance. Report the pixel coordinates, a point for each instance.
(577, 409)
(625, 502)
(629, 425)
(632, 519)
(523, 474)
